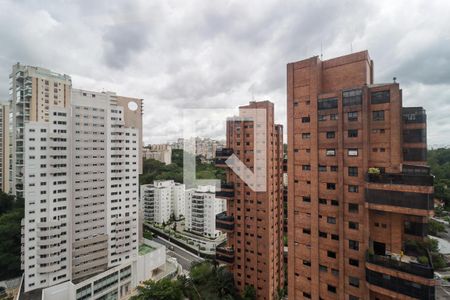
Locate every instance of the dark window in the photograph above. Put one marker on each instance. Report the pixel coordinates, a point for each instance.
(334, 203)
(327, 103)
(354, 245)
(333, 117)
(353, 225)
(306, 135)
(322, 168)
(415, 135)
(323, 268)
(380, 97)
(353, 97)
(306, 167)
(353, 188)
(352, 171)
(331, 134)
(306, 231)
(331, 186)
(305, 119)
(378, 115)
(331, 220)
(331, 254)
(352, 116)
(322, 234)
(353, 281)
(351, 297)
(415, 154)
(334, 168)
(335, 237)
(353, 262)
(323, 201)
(331, 288)
(353, 133)
(322, 117)
(353, 207)
(307, 295)
(306, 199)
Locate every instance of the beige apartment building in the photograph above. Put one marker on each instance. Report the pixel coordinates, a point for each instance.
(4, 147)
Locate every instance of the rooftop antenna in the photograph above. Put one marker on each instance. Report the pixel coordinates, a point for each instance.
(321, 50)
(395, 79)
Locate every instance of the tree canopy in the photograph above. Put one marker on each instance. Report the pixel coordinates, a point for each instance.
(439, 161)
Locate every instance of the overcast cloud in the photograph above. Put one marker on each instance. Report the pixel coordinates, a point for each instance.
(221, 54)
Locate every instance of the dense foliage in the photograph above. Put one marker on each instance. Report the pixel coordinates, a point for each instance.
(156, 170)
(11, 214)
(439, 161)
(206, 280)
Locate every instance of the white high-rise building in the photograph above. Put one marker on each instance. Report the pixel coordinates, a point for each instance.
(162, 200)
(81, 166)
(202, 206)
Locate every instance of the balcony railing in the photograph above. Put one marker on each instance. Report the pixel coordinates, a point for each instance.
(401, 199)
(400, 286)
(422, 180)
(224, 222)
(225, 254)
(407, 267)
(226, 191)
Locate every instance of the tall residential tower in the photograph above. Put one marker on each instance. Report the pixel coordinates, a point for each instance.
(360, 192)
(254, 219)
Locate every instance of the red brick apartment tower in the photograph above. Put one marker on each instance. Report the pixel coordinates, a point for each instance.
(359, 189)
(254, 220)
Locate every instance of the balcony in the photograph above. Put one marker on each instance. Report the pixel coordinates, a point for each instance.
(221, 156)
(421, 204)
(380, 282)
(405, 179)
(405, 264)
(225, 254)
(224, 222)
(414, 115)
(226, 191)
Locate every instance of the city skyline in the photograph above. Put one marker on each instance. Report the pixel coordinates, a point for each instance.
(213, 69)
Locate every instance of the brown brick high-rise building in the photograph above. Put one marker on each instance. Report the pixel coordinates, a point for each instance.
(360, 192)
(254, 220)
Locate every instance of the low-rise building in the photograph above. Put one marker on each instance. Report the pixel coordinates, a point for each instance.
(161, 152)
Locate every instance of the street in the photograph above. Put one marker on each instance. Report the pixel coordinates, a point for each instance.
(183, 257)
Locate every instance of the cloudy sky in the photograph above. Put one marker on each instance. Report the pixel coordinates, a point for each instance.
(220, 54)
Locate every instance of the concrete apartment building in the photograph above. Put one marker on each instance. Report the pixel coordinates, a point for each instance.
(359, 187)
(159, 152)
(33, 91)
(202, 206)
(4, 147)
(254, 220)
(162, 200)
(81, 167)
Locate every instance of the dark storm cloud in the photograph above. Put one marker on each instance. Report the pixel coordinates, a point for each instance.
(221, 54)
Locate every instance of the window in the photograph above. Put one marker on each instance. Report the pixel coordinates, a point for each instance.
(331, 254)
(331, 288)
(306, 199)
(306, 167)
(307, 263)
(333, 117)
(322, 234)
(306, 136)
(331, 220)
(352, 188)
(335, 237)
(334, 168)
(322, 168)
(322, 117)
(353, 262)
(352, 116)
(353, 97)
(331, 152)
(352, 171)
(323, 268)
(354, 245)
(380, 97)
(331, 186)
(329, 103)
(378, 115)
(351, 297)
(353, 207)
(323, 201)
(352, 152)
(334, 202)
(305, 119)
(352, 133)
(306, 231)
(353, 225)
(353, 281)
(331, 134)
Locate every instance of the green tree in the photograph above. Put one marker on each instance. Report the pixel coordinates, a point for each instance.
(164, 289)
(10, 242)
(434, 228)
(249, 293)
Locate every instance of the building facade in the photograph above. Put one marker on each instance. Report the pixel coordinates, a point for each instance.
(4, 148)
(33, 91)
(159, 152)
(254, 219)
(163, 200)
(81, 166)
(359, 190)
(202, 206)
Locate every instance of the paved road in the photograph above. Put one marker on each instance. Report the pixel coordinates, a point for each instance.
(183, 257)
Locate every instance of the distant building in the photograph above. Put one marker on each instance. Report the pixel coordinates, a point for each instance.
(204, 147)
(4, 148)
(202, 206)
(162, 200)
(162, 153)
